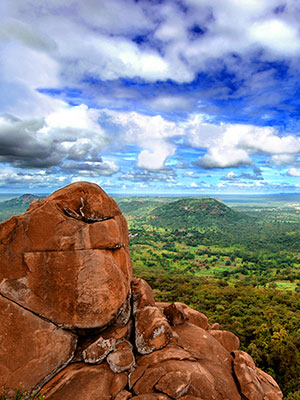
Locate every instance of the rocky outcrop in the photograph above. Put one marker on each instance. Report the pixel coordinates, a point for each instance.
(74, 321)
(73, 269)
(32, 349)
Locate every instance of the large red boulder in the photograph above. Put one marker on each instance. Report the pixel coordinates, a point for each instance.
(32, 349)
(86, 382)
(254, 383)
(178, 313)
(70, 258)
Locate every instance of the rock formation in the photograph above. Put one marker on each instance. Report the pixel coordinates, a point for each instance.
(75, 323)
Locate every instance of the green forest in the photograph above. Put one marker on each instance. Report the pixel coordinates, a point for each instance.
(237, 262)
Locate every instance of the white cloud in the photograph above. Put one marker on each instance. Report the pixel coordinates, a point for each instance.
(14, 30)
(89, 168)
(155, 158)
(294, 172)
(99, 44)
(277, 36)
(230, 175)
(152, 134)
(224, 157)
(170, 103)
(283, 159)
(231, 145)
(69, 134)
(79, 117)
(17, 179)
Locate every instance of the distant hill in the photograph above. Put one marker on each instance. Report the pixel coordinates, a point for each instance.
(16, 206)
(140, 206)
(196, 212)
(162, 212)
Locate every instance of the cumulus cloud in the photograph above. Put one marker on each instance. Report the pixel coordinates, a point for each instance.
(277, 36)
(39, 179)
(91, 169)
(255, 176)
(69, 138)
(294, 172)
(164, 175)
(232, 145)
(171, 56)
(152, 134)
(170, 103)
(15, 30)
(160, 41)
(224, 157)
(283, 159)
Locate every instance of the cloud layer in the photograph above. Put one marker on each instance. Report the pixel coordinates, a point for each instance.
(191, 94)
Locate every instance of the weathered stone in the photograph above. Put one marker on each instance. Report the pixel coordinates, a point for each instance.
(253, 383)
(32, 350)
(178, 313)
(119, 383)
(152, 331)
(161, 305)
(85, 382)
(121, 358)
(207, 382)
(270, 387)
(135, 375)
(171, 352)
(71, 267)
(152, 396)
(199, 354)
(76, 289)
(227, 339)
(122, 257)
(148, 380)
(123, 395)
(215, 326)
(142, 294)
(118, 332)
(175, 384)
(124, 313)
(96, 352)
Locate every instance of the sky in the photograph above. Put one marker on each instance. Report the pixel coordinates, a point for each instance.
(161, 97)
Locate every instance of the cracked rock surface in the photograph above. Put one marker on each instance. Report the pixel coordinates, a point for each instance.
(74, 321)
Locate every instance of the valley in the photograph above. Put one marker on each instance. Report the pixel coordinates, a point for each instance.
(252, 244)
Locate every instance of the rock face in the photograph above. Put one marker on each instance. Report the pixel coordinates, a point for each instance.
(74, 321)
(70, 258)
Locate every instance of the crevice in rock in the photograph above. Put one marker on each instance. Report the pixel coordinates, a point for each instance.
(80, 215)
(114, 248)
(41, 384)
(236, 381)
(82, 343)
(33, 312)
(87, 332)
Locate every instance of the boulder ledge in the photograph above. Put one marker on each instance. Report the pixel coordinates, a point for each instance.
(76, 324)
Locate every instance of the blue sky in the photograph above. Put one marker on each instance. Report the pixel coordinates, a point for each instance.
(150, 96)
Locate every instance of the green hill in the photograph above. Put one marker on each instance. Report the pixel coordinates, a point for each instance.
(139, 206)
(15, 206)
(195, 213)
